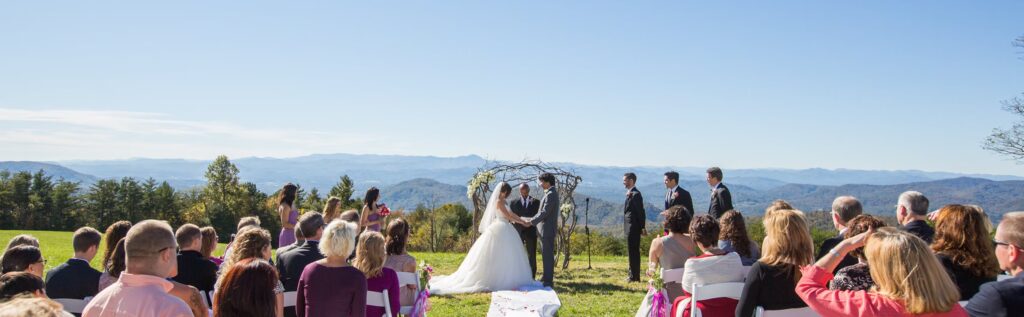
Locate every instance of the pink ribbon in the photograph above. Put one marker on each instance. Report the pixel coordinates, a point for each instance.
(421, 305)
(658, 306)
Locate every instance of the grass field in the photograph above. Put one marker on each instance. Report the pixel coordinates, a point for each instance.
(600, 291)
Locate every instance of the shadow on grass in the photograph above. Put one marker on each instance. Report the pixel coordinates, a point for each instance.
(589, 287)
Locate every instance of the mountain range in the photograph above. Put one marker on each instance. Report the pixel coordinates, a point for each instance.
(407, 181)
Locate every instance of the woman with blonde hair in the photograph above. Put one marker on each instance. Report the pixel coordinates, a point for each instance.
(370, 260)
(908, 279)
(771, 281)
(332, 209)
(964, 248)
(778, 204)
(210, 238)
(252, 243)
(332, 287)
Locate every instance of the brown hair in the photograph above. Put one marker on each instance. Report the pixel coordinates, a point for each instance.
(861, 224)
(85, 238)
(350, 215)
(905, 270)
(677, 219)
(370, 254)
(250, 243)
(31, 306)
(22, 239)
(734, 230)
(247, 289)
(115, 232)
(332, 209)
(246, 222)
(961, 235)
(398, 234)
(19, 258)
(209, 241)
(704, 230)
(117, 263)
(187, 233)
(15, 283)
(288, 193)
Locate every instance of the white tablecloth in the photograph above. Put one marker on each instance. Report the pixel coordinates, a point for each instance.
(532, 302)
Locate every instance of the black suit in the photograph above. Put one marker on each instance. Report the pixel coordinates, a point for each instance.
(679, 196)
(528, 235)
(831, 243)
(635, 219)
(721, 201)
(196, 271)
(1003, 298)
(291, 263)
(72, 279)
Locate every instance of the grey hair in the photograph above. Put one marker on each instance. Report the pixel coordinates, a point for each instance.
(847, 207)
(915, 202)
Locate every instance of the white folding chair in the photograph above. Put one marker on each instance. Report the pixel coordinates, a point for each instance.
(745, 270)
(208, 298)
(701, 292)
(289, 298)
(73, 305)
(793, 312)
(963, 303)
(379, 299)
(673, 275)
(405, 279)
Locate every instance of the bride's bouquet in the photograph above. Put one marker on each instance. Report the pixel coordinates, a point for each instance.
(655, 303)
(422, 304)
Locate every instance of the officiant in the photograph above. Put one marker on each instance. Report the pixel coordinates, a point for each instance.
(527, 206)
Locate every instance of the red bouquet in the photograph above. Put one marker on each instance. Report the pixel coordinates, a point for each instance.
(384, 211)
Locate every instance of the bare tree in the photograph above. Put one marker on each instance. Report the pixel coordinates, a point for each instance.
(1010, 142)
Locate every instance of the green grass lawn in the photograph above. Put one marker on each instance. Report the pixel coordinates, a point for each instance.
(600, 291)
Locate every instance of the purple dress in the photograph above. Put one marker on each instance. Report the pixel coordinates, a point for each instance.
(374, 216)
(388, 279)
(287, 236)
(331, 291)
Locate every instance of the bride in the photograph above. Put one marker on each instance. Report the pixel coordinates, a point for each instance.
(497, 260)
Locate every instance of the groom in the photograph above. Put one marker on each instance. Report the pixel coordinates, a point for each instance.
(547, 221)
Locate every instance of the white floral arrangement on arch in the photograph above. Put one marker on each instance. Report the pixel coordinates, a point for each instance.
(478, 180)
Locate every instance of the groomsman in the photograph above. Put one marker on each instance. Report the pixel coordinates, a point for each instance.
(634, 220)
(526, 206)
(676, 195)
(721, 199)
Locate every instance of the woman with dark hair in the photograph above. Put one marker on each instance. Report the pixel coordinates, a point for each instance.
(672, 251)
(856, 277)
(288, 213)
(734, 238)
(17, 283)
(398, 259)
(964, 248)
(23, 258)
(115, 232)
(114, 266)
(711, 267)
(252, 243)
(247, 289)
(370, 218)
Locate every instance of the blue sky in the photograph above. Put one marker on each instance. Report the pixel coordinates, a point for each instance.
(865, 85)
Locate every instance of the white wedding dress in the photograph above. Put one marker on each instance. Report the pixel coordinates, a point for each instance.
(496, 261)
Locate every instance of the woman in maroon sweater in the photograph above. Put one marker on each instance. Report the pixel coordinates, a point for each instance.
(332, 287)
(370, 260)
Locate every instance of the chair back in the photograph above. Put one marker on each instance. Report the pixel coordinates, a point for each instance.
(793, 312)
(405, 279)
(672, 275)
(701, 292)
(289, 298)
(379, 299)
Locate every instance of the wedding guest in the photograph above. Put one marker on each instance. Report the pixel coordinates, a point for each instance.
(22, 239)
(771, 282)
(243, 223)
(114, 233)
(397, 257)
(188, 294)
(370, 218)
(350, 215)
(193, 269)
(677, 196)
(32, 306)
(908, 278)
(963, 247)
(1006, 297)
(23, 258)
(142, 288)
(299, 238)
(247, 289)
(210, 238)
(721, 199)
(844, 208)
(912, 214)
(331, 287)
(671, 251)
(75, 278)
(288, 213)
(370, 255)
(195, 300)
(856, 277)
(711, 267)
(332, 210)
(251, 243)
(635, 220)
(14, 284)
(778, 204)
(290, 264)
(114, 267)
(734, 238)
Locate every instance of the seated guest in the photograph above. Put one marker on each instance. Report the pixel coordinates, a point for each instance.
(844, 208)
(22, 239)
(734, 238)
(193, 269)
(963, 247)
(856, 277)
(712, 267)
(908, 278)
(75, 278)
(350, 215)
(114, 267)
(778, 204)
(115, 232)
(398, 259)
(142, 288)
(331, 287)
(299, 240)
(672, 251)
(209, 245)
(32, 306)
(247, 290)
(243, 223)
(23, 258)
(771, 282)
(291, 264)
(370, 260)
(20, 283)
(1006, 297)
(912, 214)
(252, 243)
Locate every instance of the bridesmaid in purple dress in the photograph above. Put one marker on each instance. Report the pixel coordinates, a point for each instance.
(370, 218)
(289, 215)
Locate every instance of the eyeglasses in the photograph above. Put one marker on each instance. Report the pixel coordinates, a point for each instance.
(43, 261)
(997, 242)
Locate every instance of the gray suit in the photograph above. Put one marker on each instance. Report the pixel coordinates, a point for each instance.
(547, 226)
